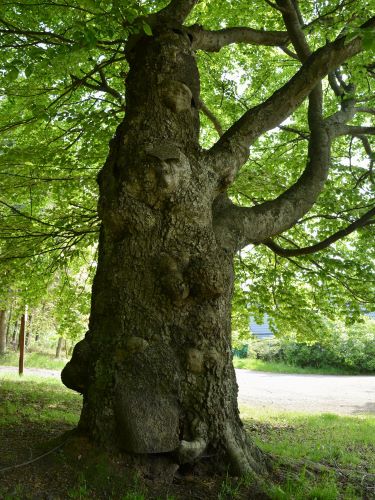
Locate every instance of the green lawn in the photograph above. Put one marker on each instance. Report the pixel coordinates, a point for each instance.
(342, 447)
(34, 399)
(268, 366)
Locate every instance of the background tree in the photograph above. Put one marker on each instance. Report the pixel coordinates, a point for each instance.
(157, 353)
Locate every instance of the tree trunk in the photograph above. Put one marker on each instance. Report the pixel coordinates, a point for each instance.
(9, 322)
(156, 366)
(15, 335)
(29, 331)
(3, 332)
(59, 347)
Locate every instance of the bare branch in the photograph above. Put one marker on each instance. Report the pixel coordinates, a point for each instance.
(353, 130)
(289, 52)
(216, 123)
(362, 109)
(213, 41)
(293, 252)
(335, 86)
(293, 22)
(301, 133)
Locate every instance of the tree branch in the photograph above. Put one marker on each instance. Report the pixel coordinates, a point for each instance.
(293, 252)
(213, 41)
(232, 150)
(239, 226)
(274, 6)
(216, 123)
(353, 130)
(362, 109)
(174, 13)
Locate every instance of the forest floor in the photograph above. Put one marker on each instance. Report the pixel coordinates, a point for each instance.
(323, 456)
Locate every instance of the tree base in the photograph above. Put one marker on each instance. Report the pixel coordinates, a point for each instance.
(159, 475)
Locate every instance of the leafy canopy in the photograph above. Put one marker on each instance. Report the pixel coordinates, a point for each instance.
(62, 94)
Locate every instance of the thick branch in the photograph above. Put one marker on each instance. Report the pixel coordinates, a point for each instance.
(231, 151)
(243, 225)
(293, 22)
(239, 226)
(174, 13)
(213, 41)
(293, 252)
(353, 130)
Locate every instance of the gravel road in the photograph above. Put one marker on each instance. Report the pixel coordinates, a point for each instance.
(344, 395)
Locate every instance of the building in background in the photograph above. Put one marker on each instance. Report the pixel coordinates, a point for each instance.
(262, 331)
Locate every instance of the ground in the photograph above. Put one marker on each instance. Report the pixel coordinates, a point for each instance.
(323, 456)
(342, 394)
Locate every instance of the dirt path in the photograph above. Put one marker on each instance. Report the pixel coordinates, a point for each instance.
(344, 395)
(40, 372)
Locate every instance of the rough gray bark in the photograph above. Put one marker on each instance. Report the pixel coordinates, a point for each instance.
(3, 331)
(155, 367)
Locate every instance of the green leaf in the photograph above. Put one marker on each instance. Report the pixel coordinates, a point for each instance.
(12, 73)
(368, 39)
(29, 70)
(147, 29)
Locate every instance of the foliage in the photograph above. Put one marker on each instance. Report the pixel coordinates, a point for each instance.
(61, 97)
(281, 367)
(347, 348)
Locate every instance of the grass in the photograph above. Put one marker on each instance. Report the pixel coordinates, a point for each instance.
(33, 360)
(37, 399)
(344, 448)
(273, 367)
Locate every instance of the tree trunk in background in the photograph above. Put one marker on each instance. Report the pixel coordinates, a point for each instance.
(9, 323)
(29, 331)
(59, 347)
(15, 335)
(3, 331)
(156, 366)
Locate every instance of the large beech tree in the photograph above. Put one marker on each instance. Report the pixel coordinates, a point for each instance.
(155, 367)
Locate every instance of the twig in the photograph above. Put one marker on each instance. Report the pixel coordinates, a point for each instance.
(34, 459)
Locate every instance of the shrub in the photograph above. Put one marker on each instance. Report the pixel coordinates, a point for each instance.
(351, 348)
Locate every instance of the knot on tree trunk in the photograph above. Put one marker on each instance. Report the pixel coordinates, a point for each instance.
(75, 374)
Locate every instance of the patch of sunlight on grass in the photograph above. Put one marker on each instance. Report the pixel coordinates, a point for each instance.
(37, 399)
